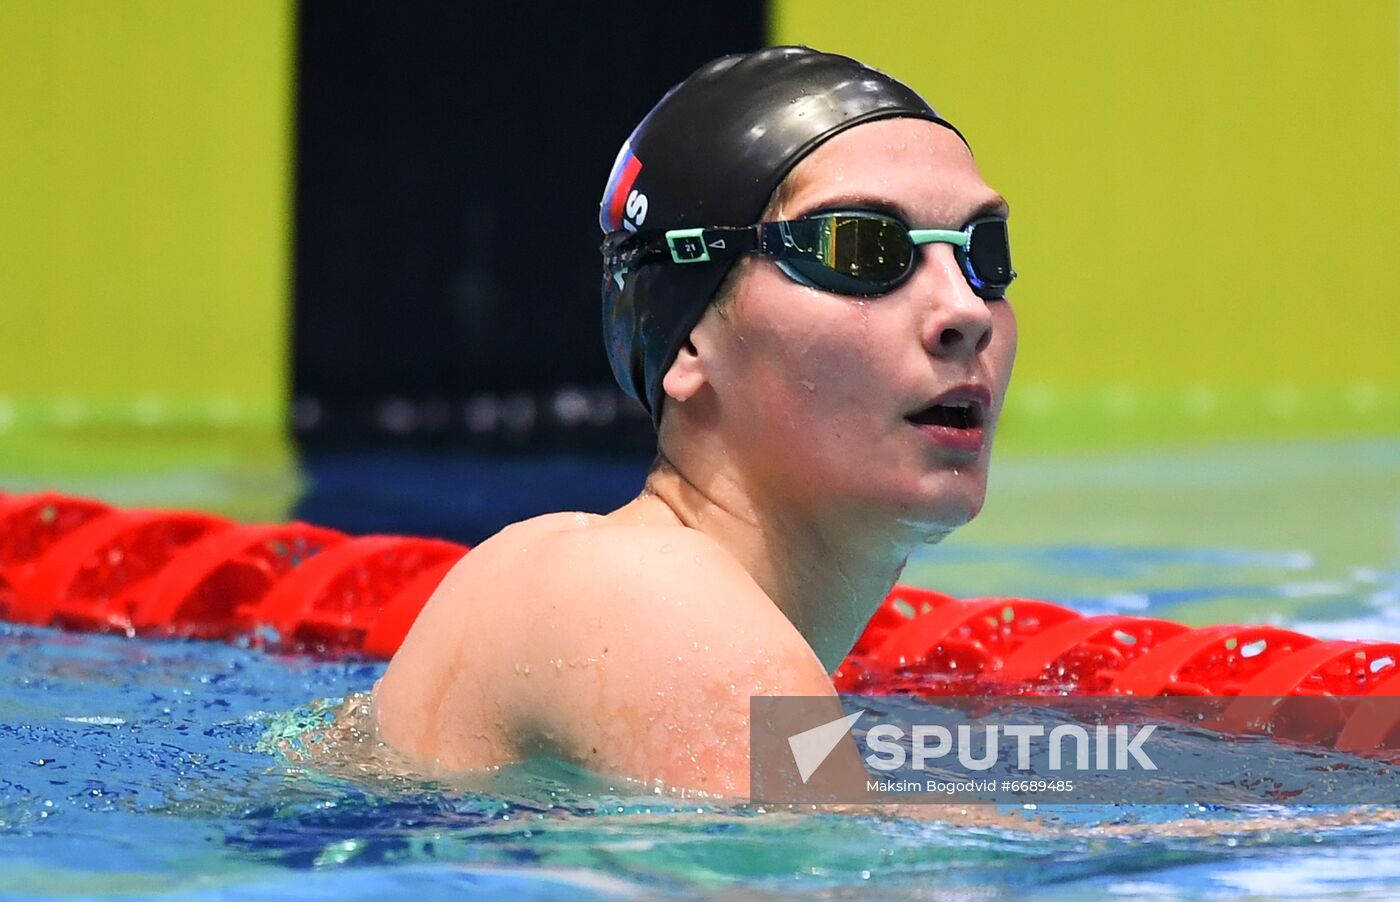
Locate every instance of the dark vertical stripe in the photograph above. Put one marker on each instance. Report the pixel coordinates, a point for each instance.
(450, 161)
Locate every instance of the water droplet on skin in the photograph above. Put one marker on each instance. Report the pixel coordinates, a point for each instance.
(666, 549)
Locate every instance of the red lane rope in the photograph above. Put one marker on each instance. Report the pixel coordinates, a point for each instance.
(82, 564)
(79, 564)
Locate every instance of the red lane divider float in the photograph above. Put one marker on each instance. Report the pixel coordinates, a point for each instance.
(332, 600)
(93, 566)
(81, 564)
(204, 591)
(29, 525)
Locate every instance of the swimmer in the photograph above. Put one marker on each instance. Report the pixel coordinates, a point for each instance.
(804, 283)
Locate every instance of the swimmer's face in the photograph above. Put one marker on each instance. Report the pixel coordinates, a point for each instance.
(823, 394)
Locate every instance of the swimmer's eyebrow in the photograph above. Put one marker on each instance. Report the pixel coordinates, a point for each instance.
(996, 205)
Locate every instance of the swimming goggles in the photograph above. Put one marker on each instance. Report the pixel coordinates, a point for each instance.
(853, 252)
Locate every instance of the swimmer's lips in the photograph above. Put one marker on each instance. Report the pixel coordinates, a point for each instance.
(955, 418)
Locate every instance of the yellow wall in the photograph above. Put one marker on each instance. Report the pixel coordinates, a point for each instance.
(1206, 199)
(145, 178)
(1206, 195)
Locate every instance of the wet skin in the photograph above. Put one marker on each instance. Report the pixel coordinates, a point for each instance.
(796, 487)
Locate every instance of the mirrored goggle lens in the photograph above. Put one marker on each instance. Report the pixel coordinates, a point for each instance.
(988, 258)
(850, 254)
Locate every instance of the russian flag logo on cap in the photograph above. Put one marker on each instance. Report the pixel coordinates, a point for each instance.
(615, 196)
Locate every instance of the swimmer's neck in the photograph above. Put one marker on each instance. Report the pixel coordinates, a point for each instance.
(826, 571)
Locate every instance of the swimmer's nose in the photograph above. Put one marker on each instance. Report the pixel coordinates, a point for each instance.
(957, 322)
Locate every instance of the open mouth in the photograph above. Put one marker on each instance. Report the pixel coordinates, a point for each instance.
(965, 414)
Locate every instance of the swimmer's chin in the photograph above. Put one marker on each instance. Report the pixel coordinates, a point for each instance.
(934, 529)
(930, 533)
(936, 518)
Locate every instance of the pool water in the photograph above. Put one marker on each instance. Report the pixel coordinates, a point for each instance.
(154, 768)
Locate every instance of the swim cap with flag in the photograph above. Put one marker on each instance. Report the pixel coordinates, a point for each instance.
(711, 153)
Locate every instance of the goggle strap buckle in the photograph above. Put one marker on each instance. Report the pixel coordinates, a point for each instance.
(696, 245)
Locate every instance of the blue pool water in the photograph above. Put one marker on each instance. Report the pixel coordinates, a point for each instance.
(149, 768)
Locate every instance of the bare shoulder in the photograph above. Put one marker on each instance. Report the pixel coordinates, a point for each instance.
(632, 649)
(586, 572)
(447, 659)
(678, 587)
(667, 639)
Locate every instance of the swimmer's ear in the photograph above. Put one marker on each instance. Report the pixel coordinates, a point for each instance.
(686, 375)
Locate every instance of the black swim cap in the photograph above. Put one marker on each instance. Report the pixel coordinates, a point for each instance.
(712, 153)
